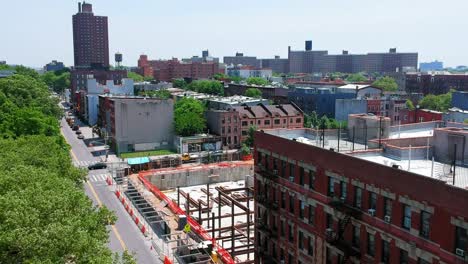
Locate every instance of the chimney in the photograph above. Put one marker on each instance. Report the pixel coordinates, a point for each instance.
(345, 52)
(277, 57)
(79, 7)
(392, 50)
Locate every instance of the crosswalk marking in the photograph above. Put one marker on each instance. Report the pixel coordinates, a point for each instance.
(98, 177)
(84, 163)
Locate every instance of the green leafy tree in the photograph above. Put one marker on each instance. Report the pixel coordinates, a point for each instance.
(221, 77)
(189, 117)
(236, 79)
(245, 149)
(135, 76)
(386, 83)
(437, 102)
(22, 70)
(409, 104)
(356, 77)
(207, 86)
(253, 92)
(179, 83)
(161, 94)
(257, 81)
(249, 141)
(57, 81)
(311, 120)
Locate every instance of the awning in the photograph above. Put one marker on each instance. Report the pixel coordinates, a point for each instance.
(136, 161)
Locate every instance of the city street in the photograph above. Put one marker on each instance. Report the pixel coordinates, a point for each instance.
(124, 234)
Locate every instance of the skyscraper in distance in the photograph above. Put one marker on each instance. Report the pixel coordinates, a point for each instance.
(90, 38)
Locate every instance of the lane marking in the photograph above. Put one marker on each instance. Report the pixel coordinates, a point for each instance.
(116, 232)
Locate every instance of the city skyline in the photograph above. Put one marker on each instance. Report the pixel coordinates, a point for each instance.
(145, 28)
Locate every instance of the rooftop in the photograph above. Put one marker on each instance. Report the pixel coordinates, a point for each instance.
(343, 144)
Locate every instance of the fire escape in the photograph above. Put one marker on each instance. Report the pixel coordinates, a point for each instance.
(336, 239)
(269, 231)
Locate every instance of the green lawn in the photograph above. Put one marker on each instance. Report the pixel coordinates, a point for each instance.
(146, 153)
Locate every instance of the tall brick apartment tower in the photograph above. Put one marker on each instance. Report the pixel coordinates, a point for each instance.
(90, 38)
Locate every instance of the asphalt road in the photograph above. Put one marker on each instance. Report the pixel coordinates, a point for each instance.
(124, 234)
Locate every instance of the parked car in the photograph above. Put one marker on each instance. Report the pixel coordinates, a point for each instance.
(97, 166)
(78, 132)
(75, 127)
(80, 136)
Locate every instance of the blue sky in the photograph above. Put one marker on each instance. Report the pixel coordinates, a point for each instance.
(35, 32)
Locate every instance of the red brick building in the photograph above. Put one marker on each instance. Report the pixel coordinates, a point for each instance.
(318, 206)
(419, 115)
(233, 124)
(167, 70)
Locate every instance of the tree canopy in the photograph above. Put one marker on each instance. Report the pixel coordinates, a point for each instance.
(356, 77)
(440, 102)
(58, 81)
(207, 86)
(253, 92)
(409, 104)
(135, 76)
(189, 117)
(179, 83)
(249, 141)
(257, 81)
(386, 83)
(45, 216)
(161, 94)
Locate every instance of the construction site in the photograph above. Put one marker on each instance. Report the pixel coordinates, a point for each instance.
(193, 213)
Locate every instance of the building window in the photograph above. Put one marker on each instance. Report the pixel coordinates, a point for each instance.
(291, 172)
(283, 168)
(344, 192)
(259, 158)
(298, 120)
(311, 214)
(245, 123)
(331, 186)
(358, 197)
(275, 164)
(301, 176)
(356, 236)
(329, 221)
(372, 200)
(277, 121)
(266, 122)
(422, 261)
(300, 239)
(282, 228)
(385, 252)
(301, 210)
(284, 121)
(229, 130)
(406, 217)
(370, 244)
(387, 207)
(403, 256)
(223, 130)
(310, 246)
(311, 179)
(291, 233)
(290, 259)
(461, 238)
(291, 204)
(283, 200)
(425, 224)
(244, 132)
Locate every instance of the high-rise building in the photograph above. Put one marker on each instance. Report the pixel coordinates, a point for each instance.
(313, 61)
(90, 38)
(431, 66)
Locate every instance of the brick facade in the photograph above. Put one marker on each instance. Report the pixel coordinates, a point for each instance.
(315, 193)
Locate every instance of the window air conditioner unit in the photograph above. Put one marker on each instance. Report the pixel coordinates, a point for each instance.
(275, 172)
(291, 178)
(342, 199)
(460, 252)
(371, 212)
(329, 231)
(387, 219)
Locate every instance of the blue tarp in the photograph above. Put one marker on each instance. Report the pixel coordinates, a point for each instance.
(136, 161)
